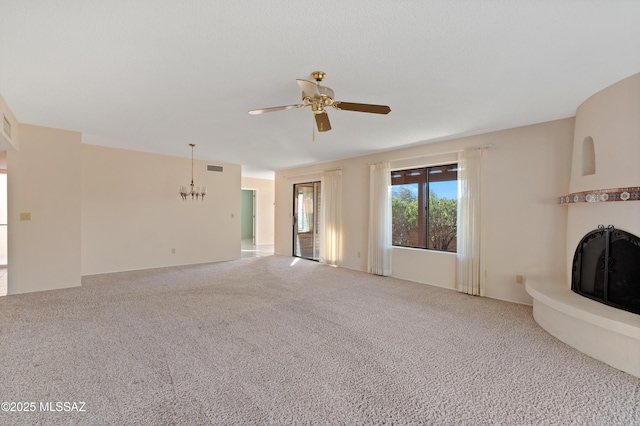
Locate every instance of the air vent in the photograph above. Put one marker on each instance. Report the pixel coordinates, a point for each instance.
(7, 126)
(211, 168)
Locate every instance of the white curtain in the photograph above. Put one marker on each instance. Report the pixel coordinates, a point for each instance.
(380, 219)
(470, 278)
(331, 217)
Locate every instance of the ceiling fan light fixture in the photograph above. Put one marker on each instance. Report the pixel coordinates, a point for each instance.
(326, 92)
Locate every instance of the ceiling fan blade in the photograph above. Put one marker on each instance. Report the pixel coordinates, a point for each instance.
(309, 88)
(350, 106)
(322, 121)
(272, 109)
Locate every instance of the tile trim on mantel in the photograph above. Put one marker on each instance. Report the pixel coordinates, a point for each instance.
(602, 195)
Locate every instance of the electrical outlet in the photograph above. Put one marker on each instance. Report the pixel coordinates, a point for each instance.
(173, 251)
(25, 216)
(519, 279)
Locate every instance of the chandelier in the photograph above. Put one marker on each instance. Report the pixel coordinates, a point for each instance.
(195, 191)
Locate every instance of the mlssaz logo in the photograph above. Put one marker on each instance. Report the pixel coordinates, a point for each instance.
(65, 406)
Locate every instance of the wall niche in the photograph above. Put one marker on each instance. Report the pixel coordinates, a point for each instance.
(588, 157)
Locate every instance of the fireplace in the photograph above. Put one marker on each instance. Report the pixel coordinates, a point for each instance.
(606, 268)
(595, 305)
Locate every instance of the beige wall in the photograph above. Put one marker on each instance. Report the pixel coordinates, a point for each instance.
(524, 229)
(133, 217)
(96, 209)
(44, 180)
(526, 173)
(265, 200)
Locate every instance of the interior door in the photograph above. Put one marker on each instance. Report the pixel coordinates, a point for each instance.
(306, 219)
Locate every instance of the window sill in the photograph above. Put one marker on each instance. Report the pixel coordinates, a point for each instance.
(424, 250)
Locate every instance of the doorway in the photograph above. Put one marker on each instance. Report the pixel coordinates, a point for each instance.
(248, 216)
(306, 220)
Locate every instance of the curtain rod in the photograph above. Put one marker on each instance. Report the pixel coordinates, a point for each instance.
(468, 148)
(311, 173)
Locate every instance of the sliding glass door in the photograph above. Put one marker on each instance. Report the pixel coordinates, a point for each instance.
(306, 220)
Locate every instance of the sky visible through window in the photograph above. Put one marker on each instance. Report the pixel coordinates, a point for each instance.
(446, 189)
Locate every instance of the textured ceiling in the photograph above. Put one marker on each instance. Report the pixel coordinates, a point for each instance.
(155, 76)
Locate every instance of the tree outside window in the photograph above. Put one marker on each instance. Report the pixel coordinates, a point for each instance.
(424, 207)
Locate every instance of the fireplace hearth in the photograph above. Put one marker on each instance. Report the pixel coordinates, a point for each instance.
(606, 268)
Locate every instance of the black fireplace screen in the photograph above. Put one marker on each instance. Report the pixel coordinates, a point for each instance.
(606, 268)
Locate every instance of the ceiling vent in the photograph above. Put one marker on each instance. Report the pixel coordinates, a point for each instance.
(211, 168)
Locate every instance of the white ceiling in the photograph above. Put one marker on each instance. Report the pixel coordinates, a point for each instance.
(154, 76)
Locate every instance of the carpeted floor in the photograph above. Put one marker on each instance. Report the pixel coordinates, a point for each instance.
(265, 341)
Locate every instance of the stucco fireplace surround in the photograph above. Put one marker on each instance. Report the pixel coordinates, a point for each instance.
(603, 190)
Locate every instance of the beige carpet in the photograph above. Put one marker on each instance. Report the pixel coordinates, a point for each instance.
(262, 341)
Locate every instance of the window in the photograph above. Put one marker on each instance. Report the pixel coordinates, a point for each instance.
(424, 207)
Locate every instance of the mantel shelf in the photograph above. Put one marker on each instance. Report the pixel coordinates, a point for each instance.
(602, 196)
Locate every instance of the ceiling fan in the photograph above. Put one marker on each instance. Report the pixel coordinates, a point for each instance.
(319, 98)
